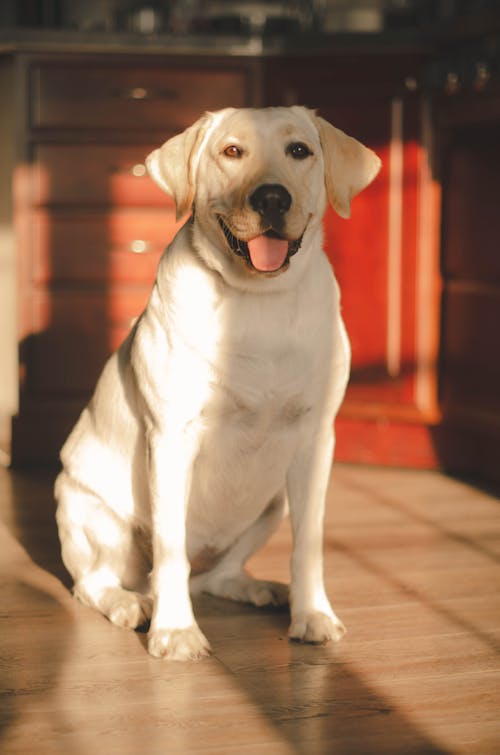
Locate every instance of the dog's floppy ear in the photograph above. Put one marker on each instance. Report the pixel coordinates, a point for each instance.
(173, 165)
(349, 166)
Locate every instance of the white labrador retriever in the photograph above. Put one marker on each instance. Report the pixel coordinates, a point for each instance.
(217, 411)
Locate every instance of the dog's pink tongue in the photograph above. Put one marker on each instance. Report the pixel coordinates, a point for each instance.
(267, 254)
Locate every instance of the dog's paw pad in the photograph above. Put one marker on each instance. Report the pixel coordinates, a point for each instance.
(131, 610)
(316, 628)
(188, 644)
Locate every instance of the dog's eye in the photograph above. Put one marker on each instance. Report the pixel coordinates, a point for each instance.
(298, 150)
(233, 151)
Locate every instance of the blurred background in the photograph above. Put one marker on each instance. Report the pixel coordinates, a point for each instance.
(88, 89)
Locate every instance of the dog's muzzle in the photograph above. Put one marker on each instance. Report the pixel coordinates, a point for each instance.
(272, 202)
(267, 253)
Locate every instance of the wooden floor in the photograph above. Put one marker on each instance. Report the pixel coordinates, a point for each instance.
(413, 569)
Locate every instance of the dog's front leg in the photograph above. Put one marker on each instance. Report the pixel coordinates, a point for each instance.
(174, 633)
(313, 619)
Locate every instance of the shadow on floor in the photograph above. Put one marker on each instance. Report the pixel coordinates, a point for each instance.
(316, 702)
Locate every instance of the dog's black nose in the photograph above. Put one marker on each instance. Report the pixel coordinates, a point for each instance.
(271, 201)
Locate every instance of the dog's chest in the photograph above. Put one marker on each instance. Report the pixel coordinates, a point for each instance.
(255, 362)
(267, 374)
(249, 429)
(257, 368)
(245, 452)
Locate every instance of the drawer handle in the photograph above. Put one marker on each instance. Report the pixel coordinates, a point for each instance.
(139, 246)
(138, 170)
(452, 83)
(142, 93)
(482, 77)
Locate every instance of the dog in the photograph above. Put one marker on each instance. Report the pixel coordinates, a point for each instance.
(215, 416)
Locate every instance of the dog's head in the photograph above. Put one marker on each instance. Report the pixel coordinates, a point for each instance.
(259, 180)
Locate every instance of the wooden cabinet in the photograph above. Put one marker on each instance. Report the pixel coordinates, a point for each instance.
(90, 224)
(132, 95)
(469, 122)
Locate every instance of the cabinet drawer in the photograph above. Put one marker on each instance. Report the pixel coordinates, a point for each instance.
(76, 334)
(131, 96)
(119, 247)
(94, 174)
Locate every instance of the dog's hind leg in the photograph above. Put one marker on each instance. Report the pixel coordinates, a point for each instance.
(228, 579)
(100, 552)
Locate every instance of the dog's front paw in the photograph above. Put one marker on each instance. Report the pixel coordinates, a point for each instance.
(189, 644)
(316, 627)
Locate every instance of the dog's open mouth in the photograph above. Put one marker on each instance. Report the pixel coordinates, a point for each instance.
(267, 253)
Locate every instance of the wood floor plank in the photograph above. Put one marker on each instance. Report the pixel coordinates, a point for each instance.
(412, 562)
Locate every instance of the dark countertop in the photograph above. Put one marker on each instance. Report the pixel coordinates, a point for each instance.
(470, 28)
(306, 44)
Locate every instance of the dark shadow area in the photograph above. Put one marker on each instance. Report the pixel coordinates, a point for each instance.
(34, 523)
(32, 660)
(313, 698)
(36, 629)
(468, 439)
(468, 448)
